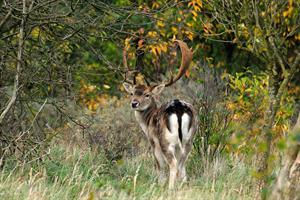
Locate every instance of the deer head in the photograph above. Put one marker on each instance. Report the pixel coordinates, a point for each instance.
(142, 96)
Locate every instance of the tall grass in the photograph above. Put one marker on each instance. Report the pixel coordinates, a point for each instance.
(71, 172)
(108, 159)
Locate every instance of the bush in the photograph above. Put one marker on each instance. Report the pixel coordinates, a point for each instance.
(215, 120)
(111, 130)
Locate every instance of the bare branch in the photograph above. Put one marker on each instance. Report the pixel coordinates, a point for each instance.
(19, 64)
(4, 20)
(278, 57)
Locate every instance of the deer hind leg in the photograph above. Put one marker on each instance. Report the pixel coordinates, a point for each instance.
(160, 164)
(181, 165)
(170, 157)
(185, 146)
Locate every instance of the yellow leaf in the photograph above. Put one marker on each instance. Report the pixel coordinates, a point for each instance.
(153, 51)
(164, 47)
(163, 33)
(160, 23)
(152, 34)
(249, 46)
(289, 11)
(189, 24)
(95, 106)
(197, 8)
(199, 2)
(155, 5)
(190, 35)
(158, 49)
(90, 107)
(194, 13)
(35, 32)
(174, 38)
(105, 86)
(207, 27)
(127, 43)
(174, 29)
(140, 78)
(131, 55)
(257, 31)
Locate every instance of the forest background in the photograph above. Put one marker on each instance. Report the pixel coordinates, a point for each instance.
(66, 129)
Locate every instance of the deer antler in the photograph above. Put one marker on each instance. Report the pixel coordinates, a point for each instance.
(128, 70)
(139, 53)
(186, 58)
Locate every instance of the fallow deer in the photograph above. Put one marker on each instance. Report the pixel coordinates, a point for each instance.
(169, 128)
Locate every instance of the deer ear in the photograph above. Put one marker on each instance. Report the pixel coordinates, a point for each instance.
(158, 89)
(128, 87)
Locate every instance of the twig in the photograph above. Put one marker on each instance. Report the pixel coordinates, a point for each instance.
(278, 57)
(19, 65)
(2, 23)
(36, 115)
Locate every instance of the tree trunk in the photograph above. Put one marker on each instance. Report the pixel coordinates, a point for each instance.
(276, 90)
(274, 103)
(287, 185)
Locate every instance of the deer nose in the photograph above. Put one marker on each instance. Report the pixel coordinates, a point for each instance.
(134, 104)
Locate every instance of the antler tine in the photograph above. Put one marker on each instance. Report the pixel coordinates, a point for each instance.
(127, 68)
(139, 53)
(125, 58)
(139, 61)
(147, 82)
(186, 58)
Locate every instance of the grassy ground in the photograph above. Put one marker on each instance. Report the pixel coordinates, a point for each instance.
(78, 173)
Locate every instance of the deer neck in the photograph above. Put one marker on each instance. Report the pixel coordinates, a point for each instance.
(143, 117)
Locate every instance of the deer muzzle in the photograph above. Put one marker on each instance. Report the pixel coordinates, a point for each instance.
(134, 104)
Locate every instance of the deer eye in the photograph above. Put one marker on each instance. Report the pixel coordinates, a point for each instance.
(147, 95)
(131, 93)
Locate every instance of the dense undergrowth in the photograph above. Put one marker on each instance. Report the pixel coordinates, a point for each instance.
(73, 172)
(104, 155)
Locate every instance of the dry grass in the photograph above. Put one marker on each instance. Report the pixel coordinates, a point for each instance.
(74, 173)
(108, 158)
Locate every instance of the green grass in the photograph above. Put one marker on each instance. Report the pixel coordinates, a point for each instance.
(75, 173)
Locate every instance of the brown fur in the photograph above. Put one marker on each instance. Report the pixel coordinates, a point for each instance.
(155, 122)
(164, 125)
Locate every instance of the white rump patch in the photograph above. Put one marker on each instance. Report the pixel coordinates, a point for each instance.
(174, 123)
(172, 135)
(185, 122)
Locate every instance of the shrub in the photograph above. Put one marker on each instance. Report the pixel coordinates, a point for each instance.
(111, 129)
